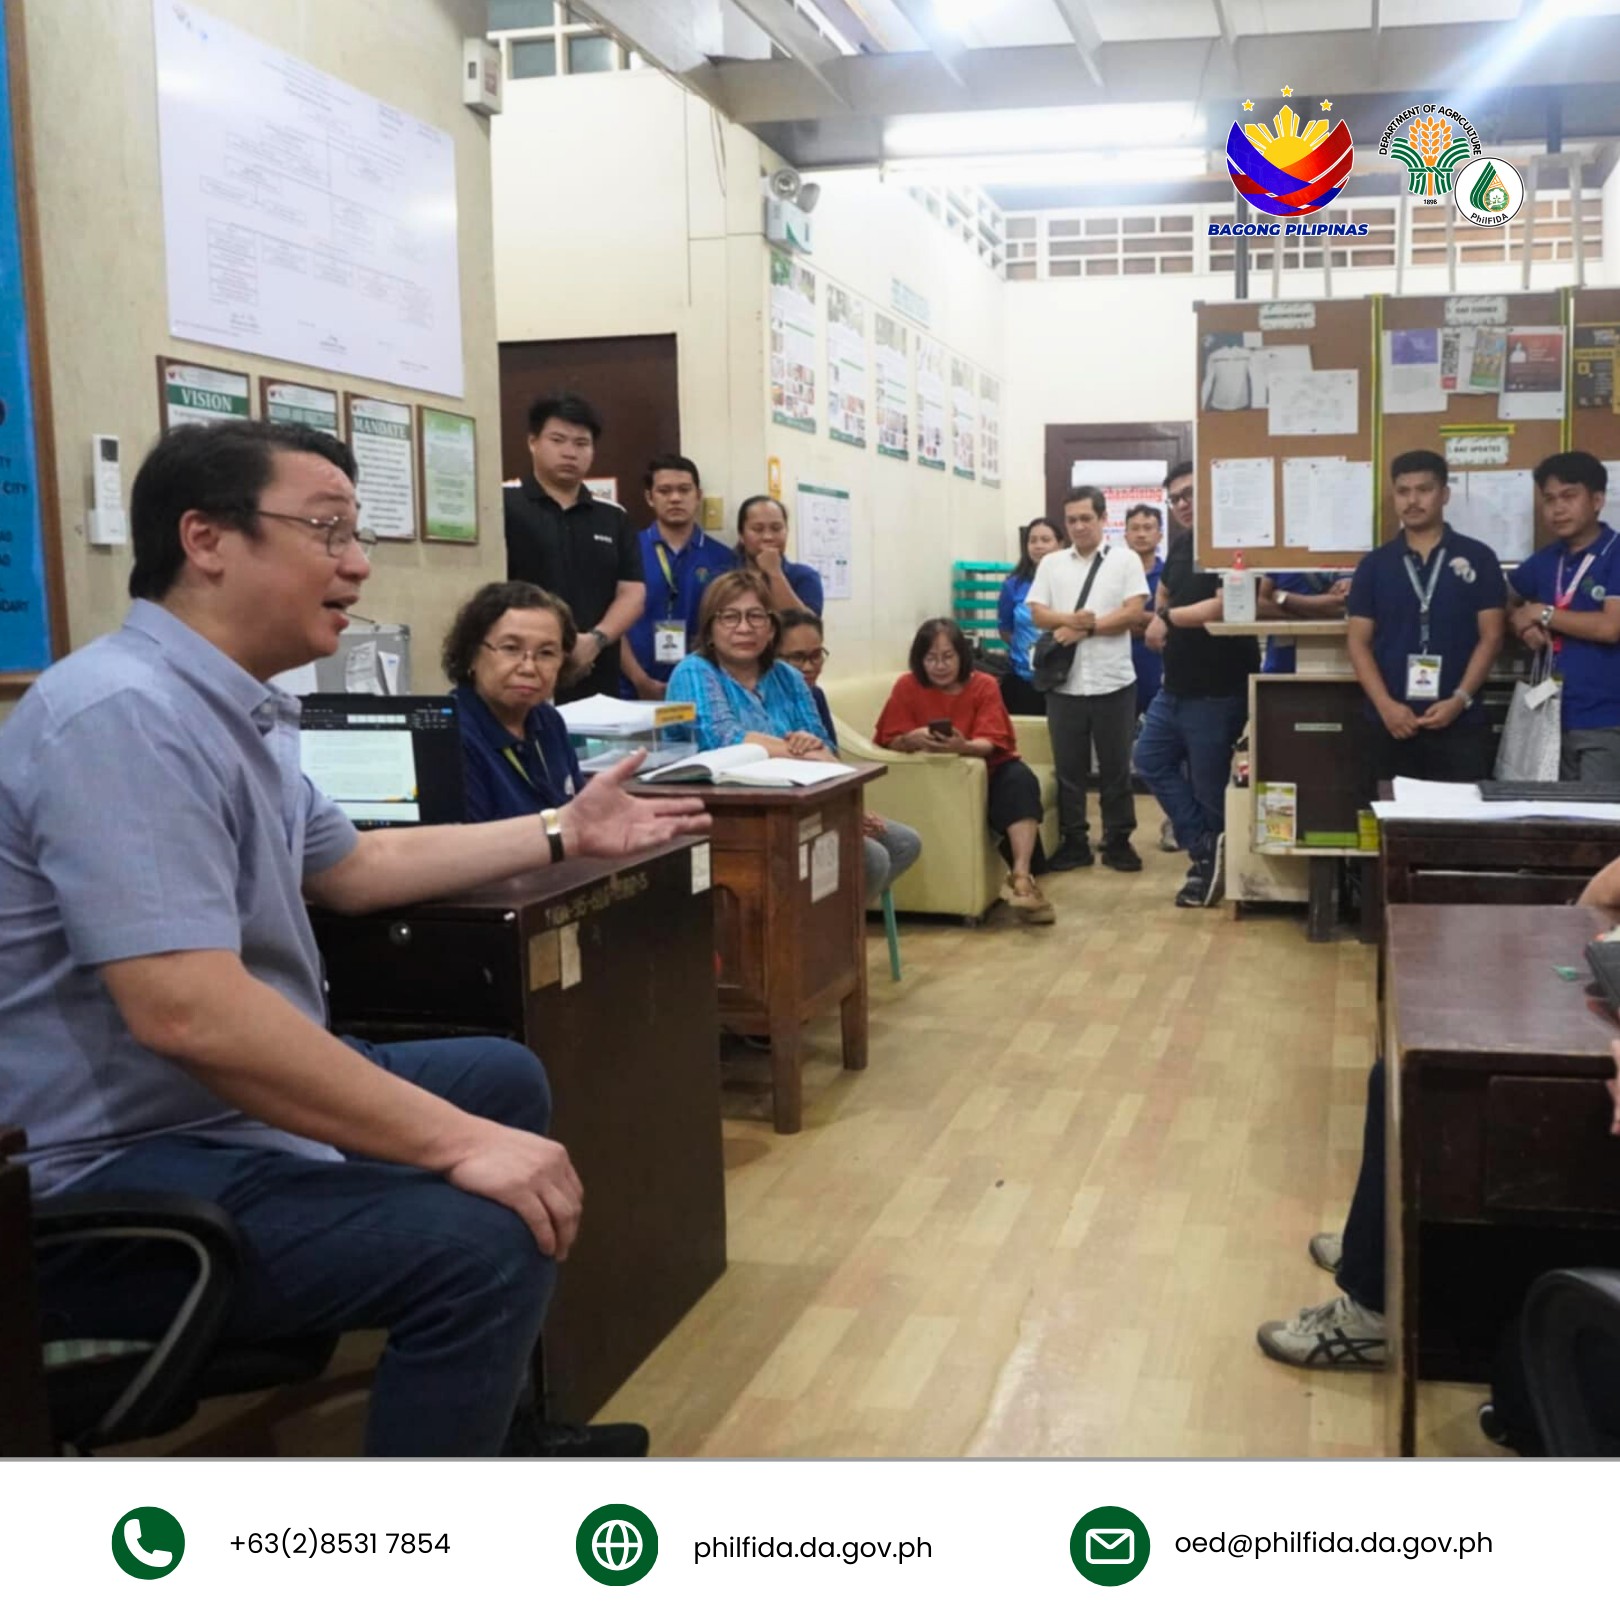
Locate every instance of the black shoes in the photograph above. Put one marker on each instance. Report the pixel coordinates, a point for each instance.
(1121, 857)
(1069, 857)
(529, 1437)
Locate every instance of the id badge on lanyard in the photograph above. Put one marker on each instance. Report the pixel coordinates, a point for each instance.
(669, 635)
(1423, 667)
(1563, 598)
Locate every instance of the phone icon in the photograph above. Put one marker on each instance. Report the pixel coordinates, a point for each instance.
(148, 1543)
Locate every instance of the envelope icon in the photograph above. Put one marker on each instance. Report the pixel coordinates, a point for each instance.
(1110, 1546)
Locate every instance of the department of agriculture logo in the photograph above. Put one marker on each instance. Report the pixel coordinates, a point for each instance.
(1285, 169)
(616, 1544)
(1433, 142)
(1109, 1546)
(148, 1543)
(1489, 191)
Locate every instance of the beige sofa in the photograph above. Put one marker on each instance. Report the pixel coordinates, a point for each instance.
(943, 797)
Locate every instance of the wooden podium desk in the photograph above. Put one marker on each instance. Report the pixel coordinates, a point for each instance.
(1499, 1160)
(1538, 860)
(790, 917)
(605, 969)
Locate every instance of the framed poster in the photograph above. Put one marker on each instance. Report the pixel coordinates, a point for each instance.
(846, 367)
(33, 613)
(382, 435)
(893, 388)
(189, 393)
(447, 467)
(318, 408)
(794, 343)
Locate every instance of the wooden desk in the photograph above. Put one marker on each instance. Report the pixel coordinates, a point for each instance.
(25, 1426)
(605, 969)
(1499, 1161)
(790, 918)
(1533, 862)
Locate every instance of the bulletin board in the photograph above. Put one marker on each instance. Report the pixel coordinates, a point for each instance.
(1339, 335)
(1498, 444)
(1594, 418)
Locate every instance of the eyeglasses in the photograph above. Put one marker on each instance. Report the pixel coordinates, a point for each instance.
(514, 652)
(937, 660)
(733, 618)
(808, 660)
(1183, 498)
(335, 532)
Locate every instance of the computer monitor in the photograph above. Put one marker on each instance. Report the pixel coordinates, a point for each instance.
(385, 761)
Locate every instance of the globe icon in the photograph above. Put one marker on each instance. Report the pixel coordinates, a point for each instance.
(617, 1544)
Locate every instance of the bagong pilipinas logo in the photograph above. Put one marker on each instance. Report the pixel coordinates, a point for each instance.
(1286, 170)
(1434, 143)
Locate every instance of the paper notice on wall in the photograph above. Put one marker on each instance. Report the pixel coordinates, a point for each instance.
(793, 344)
(1594, 354)
(990, 431)
(1272, 361)
(1242, 491)
(846, 367)
(1314, 403)
(1533, 376)
(1477, 450)
(930, 404)
(1612, 468)
(1353, 511)
(964, 419)
(1496, 507)
(1412, 373)
(893, 387)
(1124, 484)
(1327, 504)
(1471, 359)
(824, 867)
(383, 437)
(826, 536)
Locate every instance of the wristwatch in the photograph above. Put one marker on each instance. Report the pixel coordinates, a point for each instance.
(1464, 697)
(1281, 598)
(551, 825)
(1164, 613)
(602, 637)
(1546, 616)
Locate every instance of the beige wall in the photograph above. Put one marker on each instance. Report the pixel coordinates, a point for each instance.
(95, 140)
(675, 244)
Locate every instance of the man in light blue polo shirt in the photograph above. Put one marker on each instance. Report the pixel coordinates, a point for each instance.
(678, 560)
(1570, 596)
(161, 992)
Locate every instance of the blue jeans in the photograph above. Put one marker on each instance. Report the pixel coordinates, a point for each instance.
(1184, 754)
(455, 1279)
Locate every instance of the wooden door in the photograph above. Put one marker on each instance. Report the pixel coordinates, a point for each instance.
(634, 383)
(1069, 442)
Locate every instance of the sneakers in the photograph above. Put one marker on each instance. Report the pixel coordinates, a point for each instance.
(1216, 887)
(529, 1437)
(1167, 837)
(1327, 1250)
(1340, 1336)
(1024, 896)
(1195, 891)
(1120, 857)
(1069, 857)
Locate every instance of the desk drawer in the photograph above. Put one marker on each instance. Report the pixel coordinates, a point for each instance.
(423, 971)
(1548, 1148)
(1463, 887)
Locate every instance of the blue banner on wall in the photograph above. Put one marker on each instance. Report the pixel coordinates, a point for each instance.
(25, 638)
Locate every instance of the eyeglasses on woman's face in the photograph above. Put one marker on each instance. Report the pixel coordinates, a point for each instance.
(736, 618)
(517, 654)
(812, 659)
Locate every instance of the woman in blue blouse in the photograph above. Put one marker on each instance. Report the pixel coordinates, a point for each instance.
(503, 655)
(1040, 537)
(741, 692)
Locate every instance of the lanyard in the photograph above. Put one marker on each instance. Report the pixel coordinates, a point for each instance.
(510, 755)
(669, 573)
(1561, 597)
(1425, 597)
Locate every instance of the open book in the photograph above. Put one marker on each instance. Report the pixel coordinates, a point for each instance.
(748, 765)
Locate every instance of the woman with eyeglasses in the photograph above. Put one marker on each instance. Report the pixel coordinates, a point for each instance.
(945, 706)
(892, 847)
(742, 693)
(503, 655)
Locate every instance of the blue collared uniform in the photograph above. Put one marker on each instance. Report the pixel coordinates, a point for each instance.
(676, 581)
(1466, 580)
(506, 777)
(1281, 653)
(1149, 664)
(1591, 669)
(805, 581)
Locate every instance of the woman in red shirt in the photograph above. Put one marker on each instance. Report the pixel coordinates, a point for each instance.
(944, 707)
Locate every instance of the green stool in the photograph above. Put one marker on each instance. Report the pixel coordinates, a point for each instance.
(891, 929)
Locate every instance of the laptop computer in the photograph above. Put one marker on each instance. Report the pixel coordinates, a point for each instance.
(385, 761)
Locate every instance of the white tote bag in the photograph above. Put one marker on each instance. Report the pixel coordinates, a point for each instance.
(1532, 739)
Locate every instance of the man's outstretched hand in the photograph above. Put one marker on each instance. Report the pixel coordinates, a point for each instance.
(604, 820)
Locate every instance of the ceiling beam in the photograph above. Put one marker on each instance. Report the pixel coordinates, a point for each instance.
(1375, 23)
(1224, 23)
(789, 32)
(946, 51)
(1087, 40)
(679, 39)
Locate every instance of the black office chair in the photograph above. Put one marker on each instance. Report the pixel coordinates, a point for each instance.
(1570, 1340)
(108, 1392)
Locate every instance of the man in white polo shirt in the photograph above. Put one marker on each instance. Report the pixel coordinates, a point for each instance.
(1096, 704)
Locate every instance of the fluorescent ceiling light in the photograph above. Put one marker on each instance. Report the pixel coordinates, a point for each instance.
(1017, 131)
(1086, 168)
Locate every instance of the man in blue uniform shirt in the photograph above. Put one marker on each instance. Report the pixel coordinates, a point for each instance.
(1427, 616)
(1571, 597)
(679, 560)
(1313, 595)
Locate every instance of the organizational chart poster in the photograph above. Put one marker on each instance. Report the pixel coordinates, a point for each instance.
(303, 219)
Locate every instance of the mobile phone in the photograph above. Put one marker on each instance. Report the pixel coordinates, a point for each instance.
(939, 728)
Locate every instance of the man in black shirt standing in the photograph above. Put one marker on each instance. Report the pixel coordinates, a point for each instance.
(1184, 752)
(579, 546)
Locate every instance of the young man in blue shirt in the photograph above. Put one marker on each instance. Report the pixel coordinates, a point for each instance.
(1143, 532)
(1427, 617)
(678, 560)
(1570, 596)
(1312, 595)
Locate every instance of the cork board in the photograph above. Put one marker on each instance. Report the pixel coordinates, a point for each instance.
(1527, 442)
(1340, 337)
(1596, 427)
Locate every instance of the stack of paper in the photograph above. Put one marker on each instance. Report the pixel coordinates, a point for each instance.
(602, 716)
(1460, 801)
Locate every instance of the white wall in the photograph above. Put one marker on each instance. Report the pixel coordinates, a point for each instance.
(676, 245)
(93, 93)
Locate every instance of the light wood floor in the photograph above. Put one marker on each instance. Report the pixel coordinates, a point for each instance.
(1082, 1167)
